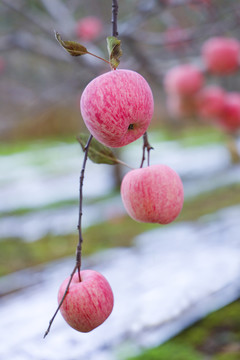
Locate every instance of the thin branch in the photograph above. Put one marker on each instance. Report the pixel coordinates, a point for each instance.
(79, 247)
(114, 17)
(80, 238)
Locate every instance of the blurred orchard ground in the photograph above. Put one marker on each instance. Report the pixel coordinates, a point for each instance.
(40, 87)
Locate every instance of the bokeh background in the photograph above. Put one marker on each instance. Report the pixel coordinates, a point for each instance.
(164, 278)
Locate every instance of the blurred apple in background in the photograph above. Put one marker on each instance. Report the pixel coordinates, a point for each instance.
(181, 106)
(230, 118)
(183, 80)
(172, 37)
(89, 28)
(210, 102)
(221, 55)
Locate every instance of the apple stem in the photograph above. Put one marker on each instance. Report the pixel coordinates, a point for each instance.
(62, 300)
(147, 146)
(99, 57)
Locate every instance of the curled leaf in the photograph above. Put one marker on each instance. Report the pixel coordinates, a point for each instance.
(114, 50)
(72, 47)
(98, 153)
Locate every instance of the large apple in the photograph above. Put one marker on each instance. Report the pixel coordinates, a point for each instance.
(183, 80)
(153, 194)
(88, 303)
(117, 107)
(221, 55)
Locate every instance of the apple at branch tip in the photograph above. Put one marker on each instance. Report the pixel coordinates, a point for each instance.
(88, 303)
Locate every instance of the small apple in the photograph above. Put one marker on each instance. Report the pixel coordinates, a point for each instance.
(230, 117)
(221, 55)
(153, 194)
(89, 28)
(117, 107)
(183, 80)
(210, 102)
(88, 303)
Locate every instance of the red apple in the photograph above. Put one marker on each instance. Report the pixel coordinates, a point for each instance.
(230, 118)
(221, 55)
(210, 102)
(89, 28)
(88, 303)
(153, 194)
(183, 80)
(117, 107)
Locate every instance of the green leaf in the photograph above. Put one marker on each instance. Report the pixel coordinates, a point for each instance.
(97, 152)
(72, 47)
(114, 50)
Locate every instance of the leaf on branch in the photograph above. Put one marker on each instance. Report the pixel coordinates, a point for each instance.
(114, 50)
(72, 47)
(97, 152)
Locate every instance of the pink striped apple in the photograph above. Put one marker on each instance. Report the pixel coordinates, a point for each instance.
(183, 80)
(117, 107)
(221, 55)
(88, 303)
(153, 194)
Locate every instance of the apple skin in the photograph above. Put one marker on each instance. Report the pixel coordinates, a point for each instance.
(221, 55)
(153, 194)
(230, 118)
(183, 80)
(88, 303)
(114, 101)
(89, 28)
(210, 102)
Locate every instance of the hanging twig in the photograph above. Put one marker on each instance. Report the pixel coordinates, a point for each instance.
(148, 147)
(80, 237)
(80, 240)
(114, 17)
